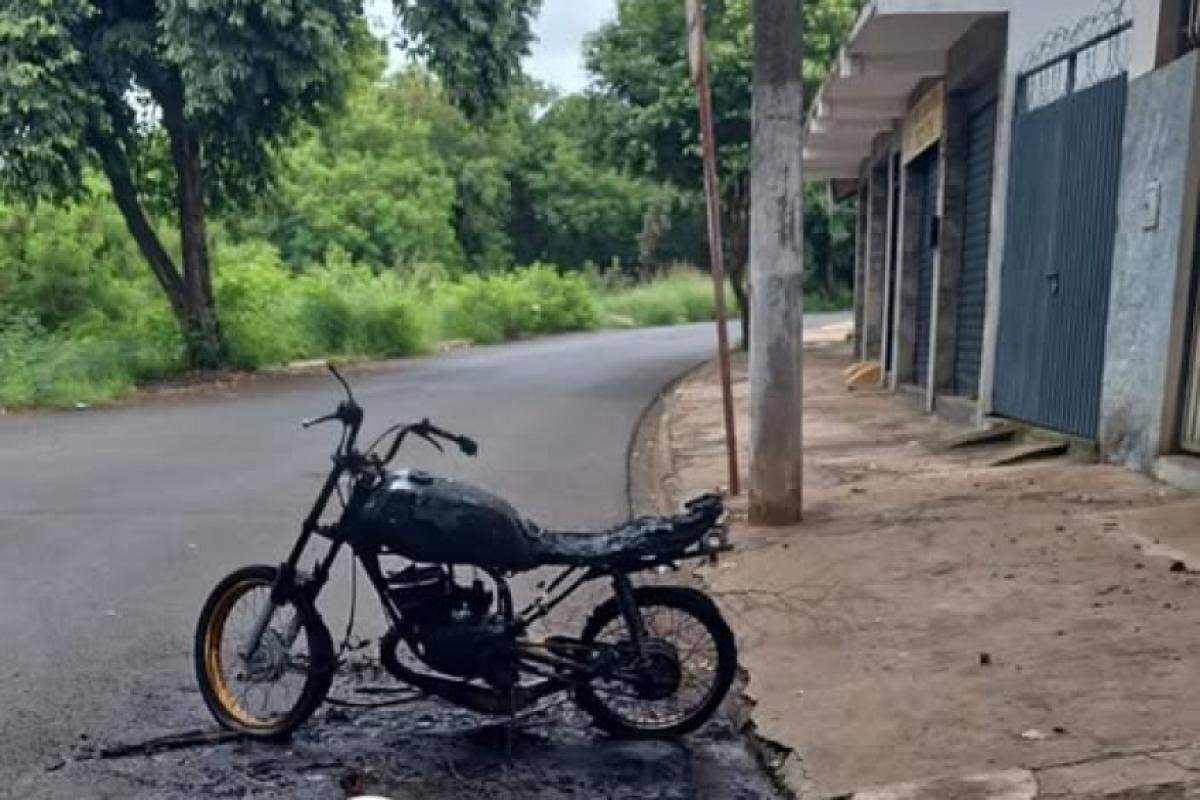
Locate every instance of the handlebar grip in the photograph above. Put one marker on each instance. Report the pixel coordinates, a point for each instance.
(308, 423)
(465, 443)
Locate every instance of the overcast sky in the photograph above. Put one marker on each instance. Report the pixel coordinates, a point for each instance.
(557, 57)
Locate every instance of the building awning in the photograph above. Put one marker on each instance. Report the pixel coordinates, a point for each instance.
(894, 46)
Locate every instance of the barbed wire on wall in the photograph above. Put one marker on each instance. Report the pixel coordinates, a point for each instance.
(1070, 58)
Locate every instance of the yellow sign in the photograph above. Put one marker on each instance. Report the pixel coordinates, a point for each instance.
(923, 125)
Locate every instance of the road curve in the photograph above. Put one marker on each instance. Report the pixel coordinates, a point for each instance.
(115, 523)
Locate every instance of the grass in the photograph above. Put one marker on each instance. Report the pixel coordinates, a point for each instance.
(678, 296)
(271, 315)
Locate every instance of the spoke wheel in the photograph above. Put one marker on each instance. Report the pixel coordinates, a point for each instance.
(678, 682)
(272, 691)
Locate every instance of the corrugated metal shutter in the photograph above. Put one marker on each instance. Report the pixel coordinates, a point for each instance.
(972, 279)
(1087, 228)
(1058, 259)
(926, 169)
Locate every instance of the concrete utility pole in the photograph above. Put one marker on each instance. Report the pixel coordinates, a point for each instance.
(776, 265)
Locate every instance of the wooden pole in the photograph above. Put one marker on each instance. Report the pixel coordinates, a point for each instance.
(698, 62)
(777, 265)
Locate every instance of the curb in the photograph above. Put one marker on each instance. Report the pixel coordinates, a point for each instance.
(649, 464)
(650, 459)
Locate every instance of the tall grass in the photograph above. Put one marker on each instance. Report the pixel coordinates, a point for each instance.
(679, 295)
(60, 368)
(272, 315)
(534, 300)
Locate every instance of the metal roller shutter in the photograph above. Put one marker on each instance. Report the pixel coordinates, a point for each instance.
(972, 279)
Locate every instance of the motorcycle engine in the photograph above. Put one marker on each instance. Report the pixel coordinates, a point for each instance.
(451, 627)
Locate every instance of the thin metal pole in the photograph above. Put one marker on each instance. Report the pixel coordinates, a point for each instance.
(699, 64)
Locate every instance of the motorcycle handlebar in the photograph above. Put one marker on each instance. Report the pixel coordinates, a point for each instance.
(427, 430)
(350, 414)
(311, 421)
(465, 443)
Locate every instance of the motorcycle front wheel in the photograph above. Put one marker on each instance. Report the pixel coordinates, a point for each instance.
(675, 686)
(273, 690)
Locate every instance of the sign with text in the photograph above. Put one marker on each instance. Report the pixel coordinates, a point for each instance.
(923, 125)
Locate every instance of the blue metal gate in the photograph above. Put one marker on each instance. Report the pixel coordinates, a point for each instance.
(1062, 202)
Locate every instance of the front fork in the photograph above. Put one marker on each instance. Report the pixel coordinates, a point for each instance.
(254, 637)
(285, 587)
(623, 589)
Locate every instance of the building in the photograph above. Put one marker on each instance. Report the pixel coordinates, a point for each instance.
(1027, 175)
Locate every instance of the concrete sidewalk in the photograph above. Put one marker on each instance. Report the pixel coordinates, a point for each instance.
(942, 628)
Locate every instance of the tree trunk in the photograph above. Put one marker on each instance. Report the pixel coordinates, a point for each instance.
(737, 227)
(776, 265)
(115, 164)
(201, 326)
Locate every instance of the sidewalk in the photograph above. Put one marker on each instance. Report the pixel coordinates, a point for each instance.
(936, 617)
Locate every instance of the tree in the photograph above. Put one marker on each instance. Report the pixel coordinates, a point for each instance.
(369, 182)
(181, 103)
(568, 209)
(828, 241)
(210, 84)
(474, 46)
(645, 108)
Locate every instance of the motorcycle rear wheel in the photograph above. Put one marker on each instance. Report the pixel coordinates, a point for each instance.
(300, 671)
(692, 651)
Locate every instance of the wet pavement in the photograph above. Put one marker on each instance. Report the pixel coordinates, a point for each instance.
(422, 750)
(115, 523)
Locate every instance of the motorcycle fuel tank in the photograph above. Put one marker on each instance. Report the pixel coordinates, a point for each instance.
(437, 520)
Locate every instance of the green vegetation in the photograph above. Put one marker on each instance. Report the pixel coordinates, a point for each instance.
(678, 296)
(167, 205)
(272, 315)
(643, 112)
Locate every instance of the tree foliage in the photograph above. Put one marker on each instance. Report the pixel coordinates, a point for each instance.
(474, 46)
(567, 208)
(644, 106)
(182, 104)
(215, 82)
(369, 183)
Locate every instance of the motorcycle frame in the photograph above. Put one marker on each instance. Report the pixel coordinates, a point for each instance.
(557, 672)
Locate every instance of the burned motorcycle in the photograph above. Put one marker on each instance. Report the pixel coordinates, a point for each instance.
(651, 661)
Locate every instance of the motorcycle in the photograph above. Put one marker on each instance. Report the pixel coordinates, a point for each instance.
(650, 662)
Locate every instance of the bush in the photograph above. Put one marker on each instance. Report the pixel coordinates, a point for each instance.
(347, 309)
(680, 295)
(61, 368)
(534, 300)
(841, 299)
(258, 305)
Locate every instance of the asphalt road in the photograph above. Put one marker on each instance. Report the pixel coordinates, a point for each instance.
(115, 523)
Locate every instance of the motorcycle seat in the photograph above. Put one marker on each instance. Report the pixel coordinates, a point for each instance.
(637, 539)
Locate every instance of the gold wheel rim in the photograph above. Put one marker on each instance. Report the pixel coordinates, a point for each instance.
(213, 635)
